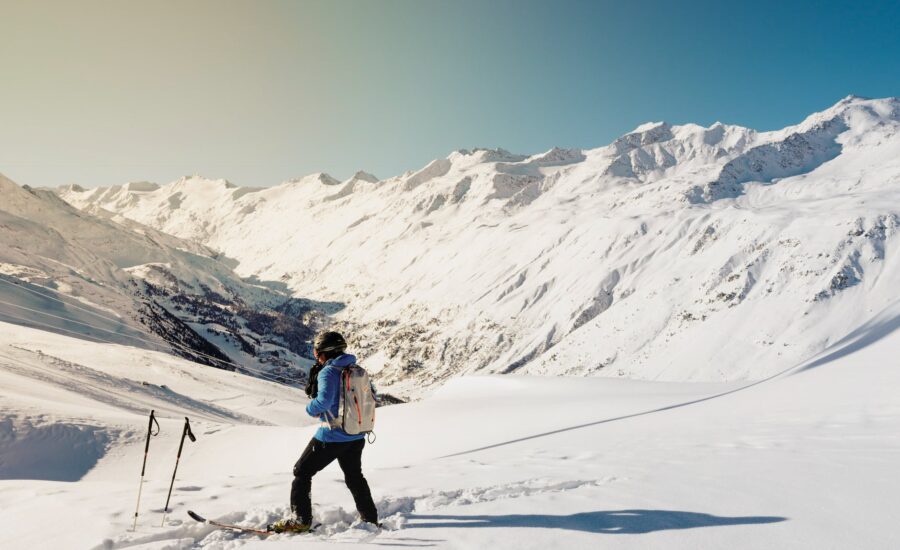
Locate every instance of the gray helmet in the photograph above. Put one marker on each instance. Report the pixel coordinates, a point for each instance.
(330, 342)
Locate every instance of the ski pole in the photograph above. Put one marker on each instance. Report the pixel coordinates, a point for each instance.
(186, 432)
(144, 466)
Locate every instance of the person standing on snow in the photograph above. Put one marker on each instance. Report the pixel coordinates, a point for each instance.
(329, 442)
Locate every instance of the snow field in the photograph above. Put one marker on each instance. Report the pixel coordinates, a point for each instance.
(803, 460)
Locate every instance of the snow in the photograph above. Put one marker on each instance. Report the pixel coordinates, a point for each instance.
(55, 452)
(697, 329)
(678, 252)
(805, 459)
(105, 277)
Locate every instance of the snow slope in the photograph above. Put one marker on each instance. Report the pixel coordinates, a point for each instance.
(674, 253)
(108, 278)
(806, 459)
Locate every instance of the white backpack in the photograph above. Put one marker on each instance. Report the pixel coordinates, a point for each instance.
(357, 401)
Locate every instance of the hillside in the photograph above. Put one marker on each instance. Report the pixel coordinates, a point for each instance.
(114, 280)
(675, 253)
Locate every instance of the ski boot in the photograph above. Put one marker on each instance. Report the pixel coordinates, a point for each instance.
(289, 526)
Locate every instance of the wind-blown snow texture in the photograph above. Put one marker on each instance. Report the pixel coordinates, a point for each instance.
(674, 253)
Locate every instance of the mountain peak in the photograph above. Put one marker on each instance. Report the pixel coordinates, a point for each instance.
(853, 98)
(364, 176)
(316, 177)
(855, 111)
(191, 180)
(327, 179)
(482, 154)
(650, 127)
(74, 187)
(137, 186)
(645, 134)
(558, 156)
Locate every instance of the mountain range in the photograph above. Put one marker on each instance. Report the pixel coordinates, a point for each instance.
(677, 252)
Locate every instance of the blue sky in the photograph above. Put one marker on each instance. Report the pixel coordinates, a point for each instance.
(100, 93)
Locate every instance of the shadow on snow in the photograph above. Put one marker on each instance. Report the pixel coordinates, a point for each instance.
(880, 326)
(617, 522)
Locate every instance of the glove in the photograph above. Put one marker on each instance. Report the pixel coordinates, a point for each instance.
(312, 384)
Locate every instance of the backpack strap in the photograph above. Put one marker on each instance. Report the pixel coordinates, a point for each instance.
(341, 390)
(331, 422)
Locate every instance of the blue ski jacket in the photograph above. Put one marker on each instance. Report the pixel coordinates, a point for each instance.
(328, 399)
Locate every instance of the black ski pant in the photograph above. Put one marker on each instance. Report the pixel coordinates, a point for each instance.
(315, 457)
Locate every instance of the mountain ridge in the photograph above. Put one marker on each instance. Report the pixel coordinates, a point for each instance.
(606, 261)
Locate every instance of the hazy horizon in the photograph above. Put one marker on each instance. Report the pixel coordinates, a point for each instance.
(101, 93)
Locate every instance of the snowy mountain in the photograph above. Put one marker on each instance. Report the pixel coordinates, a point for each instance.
(674, 253)
(113, 280)
(696, 257)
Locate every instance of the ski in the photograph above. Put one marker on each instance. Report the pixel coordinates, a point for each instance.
(265, 532)
(197, 517)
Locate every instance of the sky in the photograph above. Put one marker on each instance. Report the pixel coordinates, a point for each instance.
(259, 92)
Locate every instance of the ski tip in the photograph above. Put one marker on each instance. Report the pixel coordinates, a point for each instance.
(194, 515)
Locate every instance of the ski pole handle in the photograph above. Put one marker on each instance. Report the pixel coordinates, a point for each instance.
(150, 424)
(187, 429)
(186, 432)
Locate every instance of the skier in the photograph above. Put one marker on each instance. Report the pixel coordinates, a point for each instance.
(329, 442)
